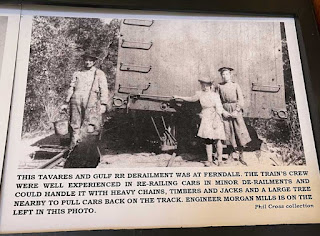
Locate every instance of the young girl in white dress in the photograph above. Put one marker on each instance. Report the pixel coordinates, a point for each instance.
(211, 127)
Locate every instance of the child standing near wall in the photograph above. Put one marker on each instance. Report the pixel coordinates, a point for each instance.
(237, 135)
(211, 128)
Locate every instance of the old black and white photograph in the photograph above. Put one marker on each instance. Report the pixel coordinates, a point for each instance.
(131, 93)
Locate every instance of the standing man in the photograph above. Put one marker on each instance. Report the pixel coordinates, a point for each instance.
(87, 99)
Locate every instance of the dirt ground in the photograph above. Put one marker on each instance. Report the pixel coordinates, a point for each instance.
(116, 153)
(182, 160)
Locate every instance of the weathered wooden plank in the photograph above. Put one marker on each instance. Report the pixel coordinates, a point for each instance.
(53, 161)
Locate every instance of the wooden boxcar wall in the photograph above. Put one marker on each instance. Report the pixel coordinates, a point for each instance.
(173, 54)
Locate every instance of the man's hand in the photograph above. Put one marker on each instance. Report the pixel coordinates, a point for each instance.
(238, 107)
(234, 114)
(226, 114)
(64, 107)
(103, 108)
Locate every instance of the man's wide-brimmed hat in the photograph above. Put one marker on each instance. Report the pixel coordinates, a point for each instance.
(222, 69)
(206, 80)
(90, 54)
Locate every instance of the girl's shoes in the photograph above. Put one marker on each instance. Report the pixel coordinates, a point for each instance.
(215, 162)
(218, 163)
(241, 159)
(243, 162)
(207, 163)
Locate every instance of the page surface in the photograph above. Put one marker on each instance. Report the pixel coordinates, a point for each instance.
(153, 170)
(9, 29)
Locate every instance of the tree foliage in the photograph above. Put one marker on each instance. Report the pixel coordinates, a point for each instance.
(294, 137)
(57, 44)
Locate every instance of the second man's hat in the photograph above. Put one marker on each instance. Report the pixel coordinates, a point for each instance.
(222, 69)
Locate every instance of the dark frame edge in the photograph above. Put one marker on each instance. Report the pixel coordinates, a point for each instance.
(307, 31)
